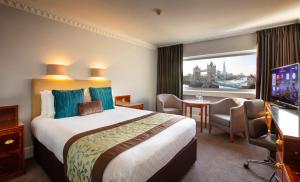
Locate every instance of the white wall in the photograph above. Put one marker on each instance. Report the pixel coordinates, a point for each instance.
(230, 44)
(27, 42)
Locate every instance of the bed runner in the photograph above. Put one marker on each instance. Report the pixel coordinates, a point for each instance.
(87, 154)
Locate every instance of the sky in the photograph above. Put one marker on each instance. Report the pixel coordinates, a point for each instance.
(245, 64)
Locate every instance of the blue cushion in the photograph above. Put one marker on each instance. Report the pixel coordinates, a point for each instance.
(66, 102)
(103, 94)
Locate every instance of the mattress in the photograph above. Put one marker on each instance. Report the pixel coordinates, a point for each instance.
(136, 164)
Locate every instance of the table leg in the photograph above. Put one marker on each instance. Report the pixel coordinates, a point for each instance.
(201, 119)
(191, 111)
(185, 109)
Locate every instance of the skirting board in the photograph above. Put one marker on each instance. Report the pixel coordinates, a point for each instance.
(28, 152)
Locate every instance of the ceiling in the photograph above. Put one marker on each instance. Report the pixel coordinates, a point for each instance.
(181, 21)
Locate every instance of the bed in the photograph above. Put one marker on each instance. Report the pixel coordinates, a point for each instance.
(174, 152)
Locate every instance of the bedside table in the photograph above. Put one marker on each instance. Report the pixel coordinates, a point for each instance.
(11, 143)
(130, 105)
(124, 101)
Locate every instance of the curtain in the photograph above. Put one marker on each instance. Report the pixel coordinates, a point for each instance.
(169, 70)
(275, 47)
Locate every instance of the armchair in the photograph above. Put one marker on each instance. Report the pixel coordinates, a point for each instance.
(228, 115)
(168, 103)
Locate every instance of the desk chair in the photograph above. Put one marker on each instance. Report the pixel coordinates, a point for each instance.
(257, 132)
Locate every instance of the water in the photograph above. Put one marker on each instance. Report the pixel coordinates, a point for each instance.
(222, 88)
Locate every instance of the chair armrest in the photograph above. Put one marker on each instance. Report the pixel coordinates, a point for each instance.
(159, 105)
(237, 118)
(178, 102)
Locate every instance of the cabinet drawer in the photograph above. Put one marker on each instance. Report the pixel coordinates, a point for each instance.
(9, 141)
(141, 107)
(9, 164)
(291, 151)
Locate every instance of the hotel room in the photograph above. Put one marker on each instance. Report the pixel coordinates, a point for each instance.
(161, 90)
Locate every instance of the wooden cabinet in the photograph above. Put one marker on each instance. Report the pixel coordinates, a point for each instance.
(125, 101)
(11, 143)
(286, 124)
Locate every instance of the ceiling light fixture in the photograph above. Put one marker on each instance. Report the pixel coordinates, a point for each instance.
(157, 11)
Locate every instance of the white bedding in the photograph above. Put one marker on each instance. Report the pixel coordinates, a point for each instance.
(136, 164)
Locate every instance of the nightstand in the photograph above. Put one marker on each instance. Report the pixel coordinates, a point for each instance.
(11, 143)
(124, 101)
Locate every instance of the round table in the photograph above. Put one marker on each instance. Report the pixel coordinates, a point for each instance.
(202, 105)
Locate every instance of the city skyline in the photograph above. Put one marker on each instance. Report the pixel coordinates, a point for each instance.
(245, 64)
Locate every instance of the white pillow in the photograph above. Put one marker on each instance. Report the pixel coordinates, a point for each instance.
(47, 105)
(44, 106)
(87, 96)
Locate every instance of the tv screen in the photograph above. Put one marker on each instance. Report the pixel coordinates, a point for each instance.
(285, 84)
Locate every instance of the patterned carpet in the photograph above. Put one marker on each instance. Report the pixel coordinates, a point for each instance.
(218, 160)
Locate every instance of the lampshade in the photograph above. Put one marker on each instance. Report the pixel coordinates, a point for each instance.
(96, 72)
(56, 69)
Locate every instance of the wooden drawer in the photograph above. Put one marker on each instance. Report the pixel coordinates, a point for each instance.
(291, 153)
(9, 164)
(9, 141)
(141, 107)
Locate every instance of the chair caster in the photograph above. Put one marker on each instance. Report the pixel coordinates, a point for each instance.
(246, 165)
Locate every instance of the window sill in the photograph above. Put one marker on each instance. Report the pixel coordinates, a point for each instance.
(248, 95)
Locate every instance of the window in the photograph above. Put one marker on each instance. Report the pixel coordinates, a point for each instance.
(230, 73)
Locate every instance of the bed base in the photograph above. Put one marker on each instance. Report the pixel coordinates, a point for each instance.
(173, 171)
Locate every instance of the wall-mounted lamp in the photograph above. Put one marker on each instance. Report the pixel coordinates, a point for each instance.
(56, 72)
(96, 72)
(56, 69)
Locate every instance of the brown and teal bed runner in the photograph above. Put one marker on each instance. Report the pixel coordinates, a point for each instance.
(87, 154)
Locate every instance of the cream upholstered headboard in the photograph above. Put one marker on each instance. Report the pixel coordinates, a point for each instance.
(45, 84)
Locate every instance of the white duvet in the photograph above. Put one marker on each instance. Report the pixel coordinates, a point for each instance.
(136, 164)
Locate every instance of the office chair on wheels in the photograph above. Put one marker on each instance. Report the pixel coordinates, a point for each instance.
(257, 132)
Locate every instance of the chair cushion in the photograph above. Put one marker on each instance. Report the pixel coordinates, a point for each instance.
(257, 127)
(172, 110)
(267, 141)
(221, 119)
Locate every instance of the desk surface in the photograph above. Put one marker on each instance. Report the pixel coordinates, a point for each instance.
(287, 120)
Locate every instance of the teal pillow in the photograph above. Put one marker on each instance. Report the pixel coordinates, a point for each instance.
(103, 94)
(66, 102)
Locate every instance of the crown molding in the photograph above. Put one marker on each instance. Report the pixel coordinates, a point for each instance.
(86, 27)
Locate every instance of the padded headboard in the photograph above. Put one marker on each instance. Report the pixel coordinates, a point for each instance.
(45, 84)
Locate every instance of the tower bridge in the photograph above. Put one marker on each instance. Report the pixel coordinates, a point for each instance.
(210, 70)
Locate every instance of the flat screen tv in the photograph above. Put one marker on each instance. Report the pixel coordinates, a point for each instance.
(285, 85)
